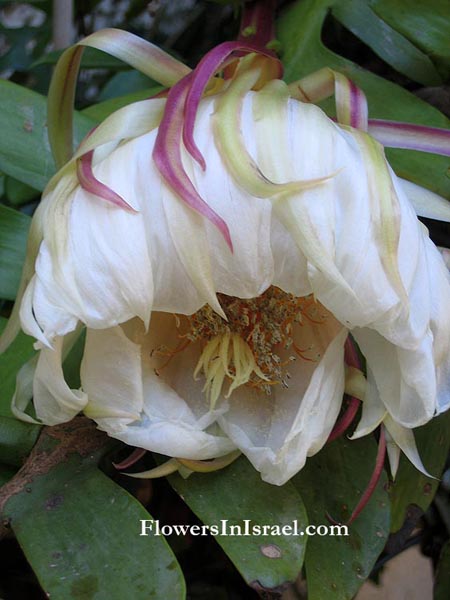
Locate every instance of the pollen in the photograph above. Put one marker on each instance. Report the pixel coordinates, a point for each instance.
(255, 345)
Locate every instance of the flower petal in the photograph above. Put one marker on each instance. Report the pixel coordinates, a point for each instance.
(426, 203)
(410, 135)
(167, 424)
(95, 266)
(278, 432)
(406, 379)
(248, 271)
(111, 376)
(54, 401)
(404, 438)
(373, 410)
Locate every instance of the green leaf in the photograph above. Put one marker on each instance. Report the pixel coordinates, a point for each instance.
(391, 46)
(13, 240)
(24, 148)
(17, 354)
(102, 110)
(299, 30)
(425, 22)
(442, 580)
(411, 486)
(16, 440)
(332, 482)
(124, 83)
(71, 366)
(21, 42)
(6, 473)
(18, 193)
(237, 493)
(79, 530)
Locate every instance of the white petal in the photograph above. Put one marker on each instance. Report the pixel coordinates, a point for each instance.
(54, 401)
(24, 390)
(125, 380)
(168, 426)
(278, 432)
(404, 438)
(373, 410)
(27, 315)
(440, 326)
(425, 202)
(290, 264)
(99, 272)
(112, 378)
(248, 271)
(393, 452)
(406, 379)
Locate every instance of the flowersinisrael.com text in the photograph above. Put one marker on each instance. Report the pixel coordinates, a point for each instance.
(244, 529)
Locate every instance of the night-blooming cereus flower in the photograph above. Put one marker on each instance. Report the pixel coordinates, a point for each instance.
(218, 252)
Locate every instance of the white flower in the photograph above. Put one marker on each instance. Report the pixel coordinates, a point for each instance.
(162, 368)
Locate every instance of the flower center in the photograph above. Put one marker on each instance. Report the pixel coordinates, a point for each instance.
(253, 346)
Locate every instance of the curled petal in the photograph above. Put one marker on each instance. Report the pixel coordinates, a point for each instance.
(133, 458)
(138, 53)
(209, 466)
(24, 390)
(387, 210)
(404, 439)
(393, 453)
(206, 68)
(227, 128)
(167, 468)
(425, 202)
(410, 136)
(54, 401)
(91, 184)
(271, 107)
(167, 157)
(351, 103)
(128, 122)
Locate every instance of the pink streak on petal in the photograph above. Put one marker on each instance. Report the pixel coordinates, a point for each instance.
(342, 424)
(358, 107)
(410, 136)
(91, 184)
(206, 68)
(167, 157)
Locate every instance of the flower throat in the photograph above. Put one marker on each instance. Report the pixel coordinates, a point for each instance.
(246, 348)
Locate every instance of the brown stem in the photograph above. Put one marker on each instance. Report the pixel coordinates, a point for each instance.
(54, 446)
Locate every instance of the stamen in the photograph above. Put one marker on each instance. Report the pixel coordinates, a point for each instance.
(251, 347)
(226, 355)
(246, 347)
